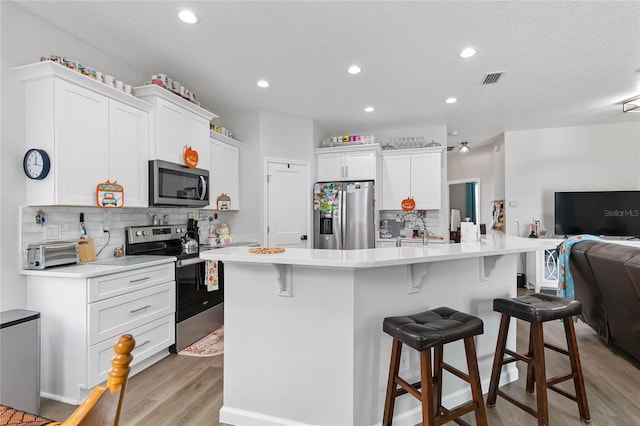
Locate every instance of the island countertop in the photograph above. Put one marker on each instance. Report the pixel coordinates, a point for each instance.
(496, 244)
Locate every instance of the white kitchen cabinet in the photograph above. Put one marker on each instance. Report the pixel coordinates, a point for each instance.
(128, 152)
(176, 124)
(91, 132)
(358, 162)
(416, 174)
(224, 175)
(542, 269)
(83, 317)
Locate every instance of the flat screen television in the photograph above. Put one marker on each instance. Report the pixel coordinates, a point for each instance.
(605, 213)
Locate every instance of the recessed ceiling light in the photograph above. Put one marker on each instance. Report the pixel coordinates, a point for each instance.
(451, 100)
(187, 16)
(354, 69)
(263, 83)
(369, 109)
(468, 52)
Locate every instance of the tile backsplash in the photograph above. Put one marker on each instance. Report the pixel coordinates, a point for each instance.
(391, 221)
(67, 219)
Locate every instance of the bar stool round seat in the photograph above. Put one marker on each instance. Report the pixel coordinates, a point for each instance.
(423, 332)
(537, 309)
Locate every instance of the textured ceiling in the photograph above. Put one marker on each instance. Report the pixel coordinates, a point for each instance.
(565, 63)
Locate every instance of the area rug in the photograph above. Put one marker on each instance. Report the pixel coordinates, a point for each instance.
(210, 345)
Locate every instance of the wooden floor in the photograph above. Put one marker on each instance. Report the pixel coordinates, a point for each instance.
(184, 390)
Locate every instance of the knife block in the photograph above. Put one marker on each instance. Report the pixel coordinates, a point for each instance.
(86, 250)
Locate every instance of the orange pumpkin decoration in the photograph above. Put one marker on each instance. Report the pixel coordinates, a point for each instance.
(190, 157)
(408, 204)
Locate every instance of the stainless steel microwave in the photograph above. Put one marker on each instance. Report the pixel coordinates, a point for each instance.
(173, 184)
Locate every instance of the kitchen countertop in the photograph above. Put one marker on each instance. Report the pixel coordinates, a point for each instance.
(232, 244)
(496, 244)
(101, 267)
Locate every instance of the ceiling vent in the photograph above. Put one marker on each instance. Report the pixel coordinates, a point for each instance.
(492, 78)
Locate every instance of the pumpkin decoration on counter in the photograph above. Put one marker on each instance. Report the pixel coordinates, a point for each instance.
(190, 157)
(408, 204)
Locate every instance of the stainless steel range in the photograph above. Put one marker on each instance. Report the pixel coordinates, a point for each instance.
(199, 311)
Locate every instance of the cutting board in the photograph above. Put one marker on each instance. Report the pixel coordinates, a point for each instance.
(86, 250)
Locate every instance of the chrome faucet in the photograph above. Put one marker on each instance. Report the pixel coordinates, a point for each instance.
(425, 233)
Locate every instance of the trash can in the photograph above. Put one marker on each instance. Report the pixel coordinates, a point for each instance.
(20, 360)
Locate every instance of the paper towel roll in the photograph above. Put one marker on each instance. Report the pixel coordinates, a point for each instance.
(469, 232)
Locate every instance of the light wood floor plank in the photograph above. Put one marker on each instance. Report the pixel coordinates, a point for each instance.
(184, 390)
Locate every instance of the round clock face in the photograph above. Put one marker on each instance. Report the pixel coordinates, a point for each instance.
(36, 164)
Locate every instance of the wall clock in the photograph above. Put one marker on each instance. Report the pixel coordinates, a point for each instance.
(36, 164)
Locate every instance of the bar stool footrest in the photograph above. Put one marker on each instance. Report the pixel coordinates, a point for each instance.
(524, 407)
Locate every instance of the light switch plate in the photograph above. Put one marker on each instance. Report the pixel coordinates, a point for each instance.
(52, 232)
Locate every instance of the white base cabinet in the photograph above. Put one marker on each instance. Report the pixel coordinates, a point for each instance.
(414, 173)
(82, 319)
(224, 172)
(91, 132)
(358, 162)
(542, 268)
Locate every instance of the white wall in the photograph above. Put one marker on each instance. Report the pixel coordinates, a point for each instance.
(24, 39)
(540, 162)
(286, 136)
(248, 220)
(265, 135)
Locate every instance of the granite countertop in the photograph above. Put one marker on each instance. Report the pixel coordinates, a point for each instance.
(379, 257)
(100, 267)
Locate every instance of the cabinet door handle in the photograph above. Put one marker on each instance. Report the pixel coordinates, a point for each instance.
(139, 280)
(142, 344)
(133, 311)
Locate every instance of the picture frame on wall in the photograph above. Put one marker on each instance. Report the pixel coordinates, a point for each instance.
(497, 215)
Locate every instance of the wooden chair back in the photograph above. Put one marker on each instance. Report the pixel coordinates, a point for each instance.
(102, 406)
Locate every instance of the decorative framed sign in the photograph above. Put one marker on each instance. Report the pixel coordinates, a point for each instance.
(497, 215)
(109, 195)
(223, 203)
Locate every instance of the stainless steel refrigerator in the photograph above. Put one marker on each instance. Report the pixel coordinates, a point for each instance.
(343, 215)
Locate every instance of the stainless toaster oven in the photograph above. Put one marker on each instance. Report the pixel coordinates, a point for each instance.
(48, 254)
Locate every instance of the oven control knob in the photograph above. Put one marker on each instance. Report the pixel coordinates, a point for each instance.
(145, 232)
(138, 233)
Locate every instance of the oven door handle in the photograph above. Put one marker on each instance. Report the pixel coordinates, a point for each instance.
(189, 262)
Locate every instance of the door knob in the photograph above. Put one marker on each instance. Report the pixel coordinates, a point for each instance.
(303, 237)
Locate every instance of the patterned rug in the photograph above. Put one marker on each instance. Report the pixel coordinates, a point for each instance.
(210, 345)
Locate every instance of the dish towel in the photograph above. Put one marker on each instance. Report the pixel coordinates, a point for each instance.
(565, 280)
(212, 275)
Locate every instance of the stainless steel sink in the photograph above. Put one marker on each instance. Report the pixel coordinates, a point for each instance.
(126, 261)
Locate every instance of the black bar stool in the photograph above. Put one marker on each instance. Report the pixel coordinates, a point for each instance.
(423, 331)
(536, 309)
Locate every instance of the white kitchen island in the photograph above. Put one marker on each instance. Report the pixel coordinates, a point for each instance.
(303, 329)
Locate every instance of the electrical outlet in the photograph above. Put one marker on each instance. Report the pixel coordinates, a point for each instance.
(203, 214)
(105, 227)
(404, 361)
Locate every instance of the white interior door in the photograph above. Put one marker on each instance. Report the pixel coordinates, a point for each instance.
(288, 199)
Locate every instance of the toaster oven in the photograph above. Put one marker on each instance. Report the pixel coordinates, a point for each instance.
(48, 254)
